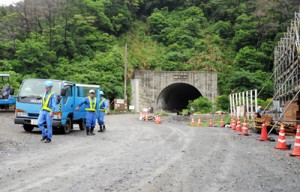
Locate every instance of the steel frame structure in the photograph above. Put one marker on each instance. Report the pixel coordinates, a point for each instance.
(286, 64)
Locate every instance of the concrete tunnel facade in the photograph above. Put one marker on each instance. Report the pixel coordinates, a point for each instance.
(170, 90)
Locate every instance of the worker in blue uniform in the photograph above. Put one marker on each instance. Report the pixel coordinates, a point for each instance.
(91, 112)
(103, 105)
(46, 113)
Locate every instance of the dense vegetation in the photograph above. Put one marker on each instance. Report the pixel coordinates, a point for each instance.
(83, 40)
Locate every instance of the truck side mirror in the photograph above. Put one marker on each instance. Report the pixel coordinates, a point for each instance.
(11, 91)
(58, 98)
(63, 92)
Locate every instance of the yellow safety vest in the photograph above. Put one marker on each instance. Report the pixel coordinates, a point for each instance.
(92, 105)
(102, 109)
(46, 103)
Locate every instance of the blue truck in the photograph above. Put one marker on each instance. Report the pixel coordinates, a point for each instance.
(69, 95)
(6, 93)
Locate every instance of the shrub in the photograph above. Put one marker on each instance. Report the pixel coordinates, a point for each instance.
(202, 105)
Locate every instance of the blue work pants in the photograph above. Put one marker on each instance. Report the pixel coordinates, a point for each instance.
(90, 119)
(45, 116)
(101, 116)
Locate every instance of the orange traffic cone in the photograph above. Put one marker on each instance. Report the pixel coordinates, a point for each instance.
(245, 128)
(157, 119)
(281, 143)
(199, 123)
(222, 122)
(238, 126)
(264, 133)
(146, 118)
(193, 122)
(296, 151)
(233, 126)
(211, 123)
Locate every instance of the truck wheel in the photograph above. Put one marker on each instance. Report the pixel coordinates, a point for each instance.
(67, 127)
(82, 124)
(28, 128)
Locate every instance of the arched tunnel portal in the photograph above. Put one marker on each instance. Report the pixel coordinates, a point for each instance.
(177, 96)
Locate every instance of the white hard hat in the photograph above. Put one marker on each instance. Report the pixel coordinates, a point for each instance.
(91, 91)
(259, 107)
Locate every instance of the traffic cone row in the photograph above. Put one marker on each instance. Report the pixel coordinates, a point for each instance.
(211, 122)
(145, 117)
(281, 143)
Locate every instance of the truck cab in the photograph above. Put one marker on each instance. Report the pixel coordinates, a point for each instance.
(6, 92)
(69, 95)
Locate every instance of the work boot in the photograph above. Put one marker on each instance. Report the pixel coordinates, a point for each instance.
(48, 141)
(87, 131)
(103, 128)
(92, 130)
(100, 128)
(44, 138)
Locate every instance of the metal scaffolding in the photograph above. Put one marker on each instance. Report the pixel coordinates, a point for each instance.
(286, 64)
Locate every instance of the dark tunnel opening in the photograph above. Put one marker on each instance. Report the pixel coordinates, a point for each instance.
(176, 97)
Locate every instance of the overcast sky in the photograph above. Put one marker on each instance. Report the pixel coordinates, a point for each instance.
(7, 2)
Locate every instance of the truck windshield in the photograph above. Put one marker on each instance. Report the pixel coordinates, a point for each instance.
(35, 88)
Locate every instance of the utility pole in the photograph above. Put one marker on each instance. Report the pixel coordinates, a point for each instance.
(125, 72)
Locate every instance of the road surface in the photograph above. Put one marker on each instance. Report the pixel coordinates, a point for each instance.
(133, 155)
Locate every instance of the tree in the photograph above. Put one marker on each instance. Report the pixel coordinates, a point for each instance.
(222, 102)
(242, 81)
(245, 31)
(223, 28)
(157, 23)
(251, 59)
(35, 57)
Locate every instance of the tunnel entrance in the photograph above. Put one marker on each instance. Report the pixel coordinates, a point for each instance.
(176, 97)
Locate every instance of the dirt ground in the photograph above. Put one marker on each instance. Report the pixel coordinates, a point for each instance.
(133, 155)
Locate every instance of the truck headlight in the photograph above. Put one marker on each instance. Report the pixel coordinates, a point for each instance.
(21, 113)
(57, 115)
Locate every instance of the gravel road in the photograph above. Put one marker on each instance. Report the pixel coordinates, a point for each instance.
(133, 155)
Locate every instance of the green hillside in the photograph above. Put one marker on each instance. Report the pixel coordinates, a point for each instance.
(83, 40)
